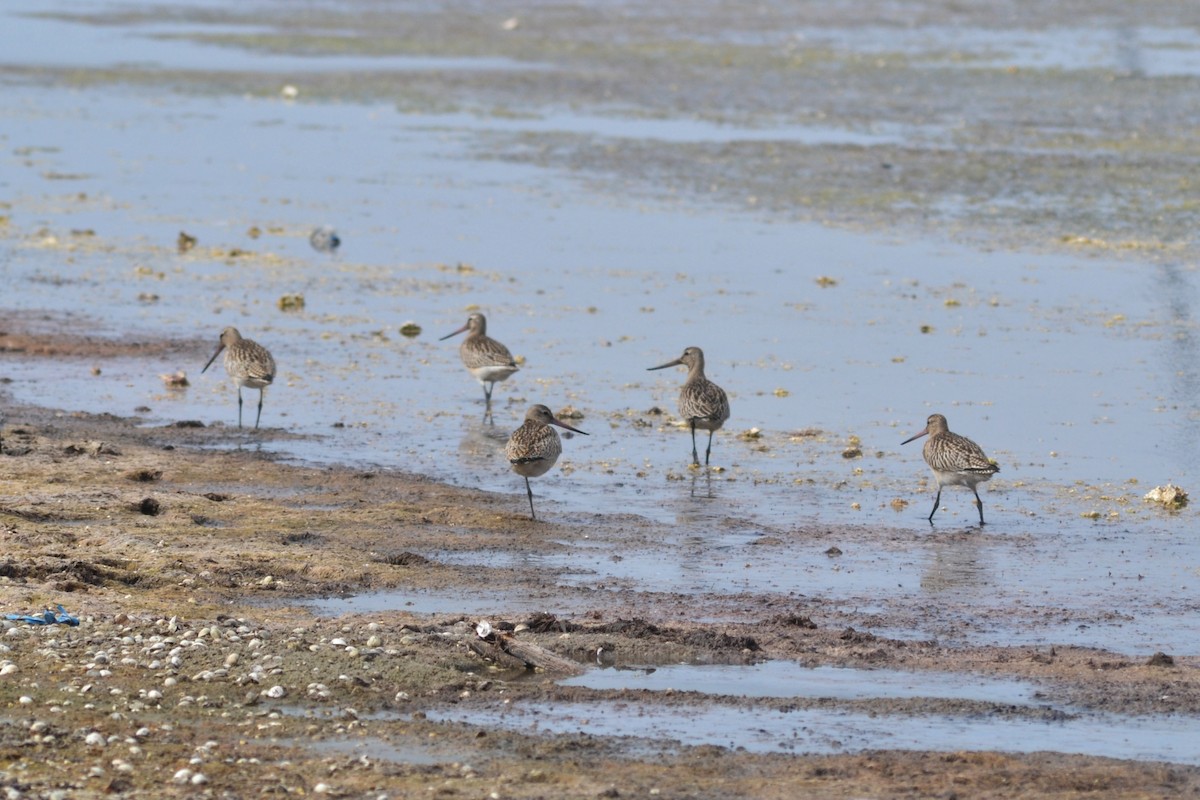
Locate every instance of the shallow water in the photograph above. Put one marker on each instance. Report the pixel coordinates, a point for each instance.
(1077, 374)
(831, 731)
(789, 679)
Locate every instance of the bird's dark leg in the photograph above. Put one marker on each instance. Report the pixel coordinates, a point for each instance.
(239, 406)
(937, 501)
(709, 450)
(487, 394)
(529, 491)
(261, 392)
(979, 503)
(695, 456)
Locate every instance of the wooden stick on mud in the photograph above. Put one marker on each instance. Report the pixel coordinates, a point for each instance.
(529, 654)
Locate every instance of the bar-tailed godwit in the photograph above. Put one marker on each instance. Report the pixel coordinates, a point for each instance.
(955, 460)
(534, 447)
(248, 363)
(702, 403)
(484, 357)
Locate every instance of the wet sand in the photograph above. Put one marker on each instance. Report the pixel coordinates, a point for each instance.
(293, 611)
(189, 557)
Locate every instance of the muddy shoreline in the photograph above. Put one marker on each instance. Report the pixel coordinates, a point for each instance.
(189, 541)
(255, 624)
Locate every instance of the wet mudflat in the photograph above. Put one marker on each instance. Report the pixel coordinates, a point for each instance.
(982, 265)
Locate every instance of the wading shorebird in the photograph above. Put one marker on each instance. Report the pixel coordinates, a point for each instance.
(702, 403)
(248, 363)
(534, 447)
(955, 460)
(484, 357)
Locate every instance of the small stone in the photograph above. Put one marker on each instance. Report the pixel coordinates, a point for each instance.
(199, 779)
(95, 739)
(276, 692)
(1160, 659)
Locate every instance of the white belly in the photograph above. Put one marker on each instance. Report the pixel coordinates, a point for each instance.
(492, 374)
(968, 479)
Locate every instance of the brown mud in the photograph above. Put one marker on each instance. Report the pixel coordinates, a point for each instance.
(187, 553)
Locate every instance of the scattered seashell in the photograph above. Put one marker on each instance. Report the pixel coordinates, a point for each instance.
(289, 92)
(175, 380)
(325, 239)
(1170, 496)
(410, 329)
(290, 302)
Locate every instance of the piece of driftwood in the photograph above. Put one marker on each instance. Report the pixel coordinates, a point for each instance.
(527, 653)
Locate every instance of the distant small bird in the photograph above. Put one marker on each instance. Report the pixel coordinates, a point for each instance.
(325, 239)
(955, 460)
(185, 241)
(484, 357)
(248, 363)
(534, 447)
(702, 403)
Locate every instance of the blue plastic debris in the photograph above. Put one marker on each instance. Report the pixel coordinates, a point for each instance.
(47, 617)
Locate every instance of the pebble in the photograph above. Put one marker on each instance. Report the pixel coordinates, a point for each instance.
(95, 739)
(182, 776)
(9, 669)
(276, 692)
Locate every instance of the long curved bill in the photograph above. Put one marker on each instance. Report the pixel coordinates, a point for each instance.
(456, 333)
(561, 424)
(916, 435)
(220, 347)
(674, 363)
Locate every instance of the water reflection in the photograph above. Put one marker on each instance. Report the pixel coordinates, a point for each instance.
(955, 564)
(1182, 357)
(1129, 51)
(703, 490)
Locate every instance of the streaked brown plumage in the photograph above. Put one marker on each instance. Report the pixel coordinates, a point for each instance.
(702, 403)
(534, 447)
(484, 357)
(955, 460)
(248, 363)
